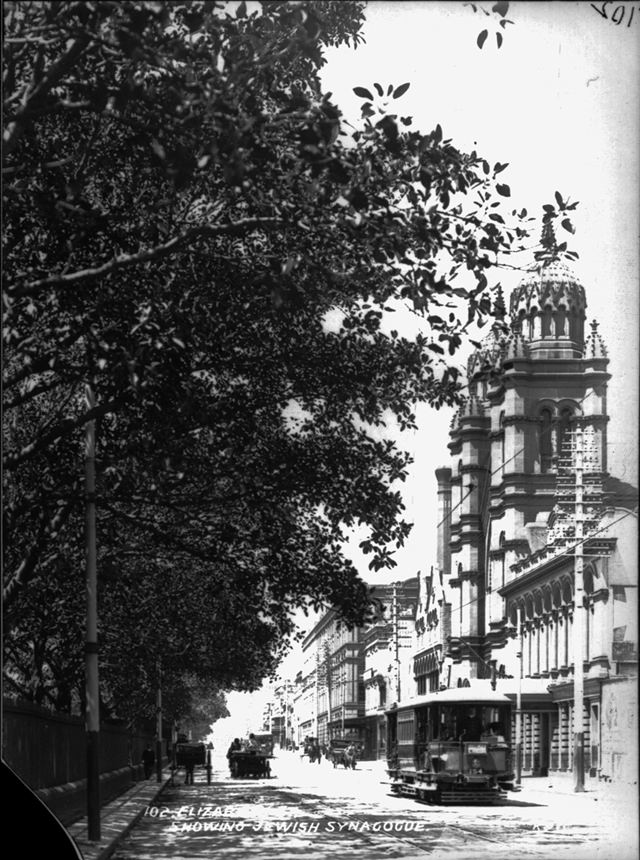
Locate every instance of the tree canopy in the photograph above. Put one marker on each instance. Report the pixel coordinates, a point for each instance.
(194, 232)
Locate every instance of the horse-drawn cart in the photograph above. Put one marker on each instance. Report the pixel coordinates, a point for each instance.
(190, 755)
(311, 749)
(249, 764)
(342, 752)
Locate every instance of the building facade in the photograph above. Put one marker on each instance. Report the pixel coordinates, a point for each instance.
(387, 644)
(330, 696)
(499, 602)
(279, 714)
(349, 677)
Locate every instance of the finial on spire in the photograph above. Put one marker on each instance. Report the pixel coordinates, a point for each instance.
(595, 347)
(548, 238)
(499, 307)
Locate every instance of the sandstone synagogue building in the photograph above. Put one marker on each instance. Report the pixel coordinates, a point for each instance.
(498, 605)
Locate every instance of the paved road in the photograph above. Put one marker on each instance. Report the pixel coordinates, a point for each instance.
(314, 812)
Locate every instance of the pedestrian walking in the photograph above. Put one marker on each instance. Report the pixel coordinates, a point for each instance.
(235, 747)
(148, 760)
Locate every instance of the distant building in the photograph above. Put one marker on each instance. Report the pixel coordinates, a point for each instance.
(278, 714)
(348, 677)
(332, 699)
(387, 643)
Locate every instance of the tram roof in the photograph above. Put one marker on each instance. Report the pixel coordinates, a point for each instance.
(480, 693)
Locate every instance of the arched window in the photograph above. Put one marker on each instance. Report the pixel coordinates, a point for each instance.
(503, 561)
(564, 432)
(545, 440)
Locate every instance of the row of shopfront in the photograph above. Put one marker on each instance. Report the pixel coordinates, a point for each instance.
(609, 720)
(546, 715)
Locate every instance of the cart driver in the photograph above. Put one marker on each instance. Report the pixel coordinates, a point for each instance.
(251, 744)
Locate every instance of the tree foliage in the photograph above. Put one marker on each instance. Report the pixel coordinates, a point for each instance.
(498, 11)
(195, 232)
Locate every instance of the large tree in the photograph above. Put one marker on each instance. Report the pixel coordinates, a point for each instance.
(194, 232)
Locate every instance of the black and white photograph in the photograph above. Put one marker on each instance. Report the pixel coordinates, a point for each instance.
(320, 429)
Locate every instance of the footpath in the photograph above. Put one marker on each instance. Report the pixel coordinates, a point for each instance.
(555, 793)
(117, 818)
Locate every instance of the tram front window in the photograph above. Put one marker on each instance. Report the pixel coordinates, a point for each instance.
(471, 725)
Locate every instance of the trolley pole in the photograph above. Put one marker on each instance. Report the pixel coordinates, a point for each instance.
(519, 703)
(159, 723)
(578, 617)
(92, 711)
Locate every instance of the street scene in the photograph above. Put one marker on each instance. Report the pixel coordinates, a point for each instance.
(320, 428)
(309, 810)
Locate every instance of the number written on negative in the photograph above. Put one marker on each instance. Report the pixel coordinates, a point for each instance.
(617, 15)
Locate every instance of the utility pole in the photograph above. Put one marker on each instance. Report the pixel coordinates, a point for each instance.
(519, 702)
(159, 722)
(396, 644)
(286, 713)
(327, 659)
(92, 712)
(578, 614)
(317, 696)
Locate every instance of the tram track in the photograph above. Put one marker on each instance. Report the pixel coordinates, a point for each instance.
(319, 806)
(289, 816)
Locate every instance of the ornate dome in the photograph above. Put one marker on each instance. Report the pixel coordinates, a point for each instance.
(489, 354)
(553, 285)
(492, 347)
(548, 307)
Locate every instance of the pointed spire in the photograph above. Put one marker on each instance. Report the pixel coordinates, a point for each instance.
(472, 407)
(549, 252)
(548, 238)
(594, 346)
(499, 307)
(517, 346)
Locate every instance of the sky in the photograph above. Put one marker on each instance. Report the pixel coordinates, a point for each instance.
(559, 102)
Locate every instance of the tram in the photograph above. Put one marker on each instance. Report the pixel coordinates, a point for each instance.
(451, 747)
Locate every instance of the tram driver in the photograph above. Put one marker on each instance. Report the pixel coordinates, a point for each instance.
(496, 732)
(471, 725)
